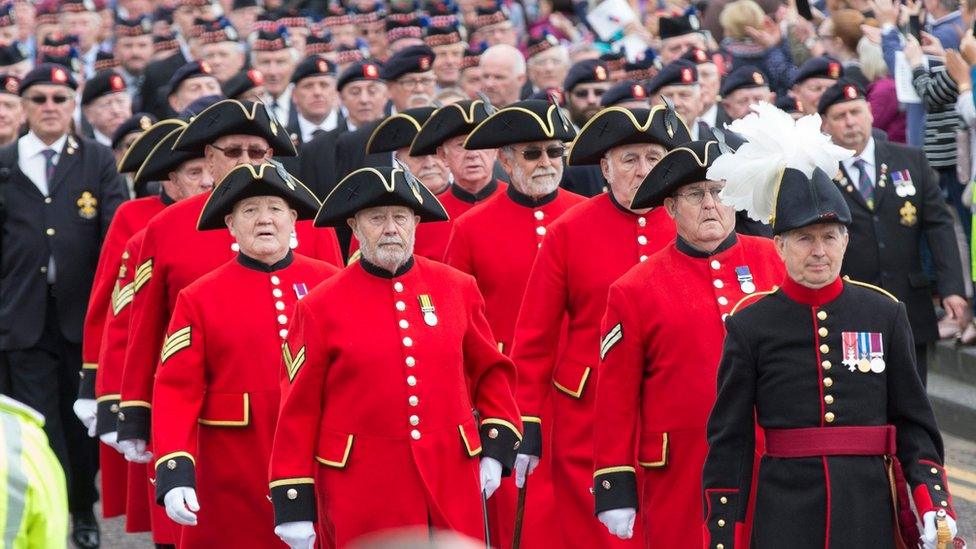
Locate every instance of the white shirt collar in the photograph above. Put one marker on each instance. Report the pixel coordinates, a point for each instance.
(867, 154)
(711, 116)
(102, 138)
(307, 127)
(30, 145)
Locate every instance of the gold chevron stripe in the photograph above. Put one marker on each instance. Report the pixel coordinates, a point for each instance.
(122, 297)
(143, 273)
(175, 342)
(292, 363)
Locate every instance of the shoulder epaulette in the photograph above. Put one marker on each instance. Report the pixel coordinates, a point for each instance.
(354, 257)
(742, 301)
(878, 289)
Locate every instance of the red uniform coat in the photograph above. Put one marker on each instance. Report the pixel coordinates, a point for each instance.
(496, 242)
(585, 251)
(662, 342)
(385, 370)
(173, 255)
(216, 398)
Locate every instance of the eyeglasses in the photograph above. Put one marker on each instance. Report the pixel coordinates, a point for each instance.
(41, 99)
(555, 151)
(697, 197)
(417, 82)
(581, 93)
(255, 153)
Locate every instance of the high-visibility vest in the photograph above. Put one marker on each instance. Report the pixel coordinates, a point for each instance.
(33, 496)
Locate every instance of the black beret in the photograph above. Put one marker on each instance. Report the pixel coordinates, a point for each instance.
(686, 23)
(472, 58)
(48, 73)
(539, 44)
(407, 27)
(151, 136)
(11, 54)
(412, 59)
(242, 82)
(522, 122)
(818, 67)
(614, 60)
(442, 32)
(220, 30)
(270, 41)
(676, 73)
(625, 90)
(492, 15)
(742, 78)
(843, 91)
(682, 166)
(317, 45)
(138, 26)
(363, 70)
(313, 65)
(60, 50)
(231, 117)
(246, 181)
(398, 130)
(789, 104)
(378, 186)
(199, 105)
(616, 126)
(137, 123)
(587, 71)
(193, 69)
(642, 69)
(803, 201)
(449, 121)
(163, 159)
(102, 84)
(698, 56)
(9, 84)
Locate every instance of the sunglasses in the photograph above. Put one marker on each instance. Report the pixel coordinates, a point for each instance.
(255, 153)
(552, 152)
(41, 99)
(583, 93)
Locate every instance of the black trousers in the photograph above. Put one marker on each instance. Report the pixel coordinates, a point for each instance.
(45, 377)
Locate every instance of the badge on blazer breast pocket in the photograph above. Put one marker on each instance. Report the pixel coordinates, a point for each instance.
(87, 205)
(909, 214)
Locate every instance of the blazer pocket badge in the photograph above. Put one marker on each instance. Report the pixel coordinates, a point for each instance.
(909, 214)
(87, 205)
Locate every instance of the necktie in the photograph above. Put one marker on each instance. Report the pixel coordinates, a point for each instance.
(864, 184)
(49, 166)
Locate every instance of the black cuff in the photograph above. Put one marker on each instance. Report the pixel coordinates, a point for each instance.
(499, 441)
(86, 389)
(293, 502)
(107, 416)
(134, 423)
(615, 490)
(722, 512)
(174, 471)
(532, 438)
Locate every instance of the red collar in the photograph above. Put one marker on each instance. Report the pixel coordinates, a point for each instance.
(809, 296)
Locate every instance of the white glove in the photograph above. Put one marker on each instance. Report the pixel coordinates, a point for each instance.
(525, 464)
(491, 475)
(87, 411)
(930, 532)
(135, 450)
(181, 505)
(620, 522)
(112, 439)
(298, 535)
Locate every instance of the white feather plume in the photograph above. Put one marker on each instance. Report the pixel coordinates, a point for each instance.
(774, 142)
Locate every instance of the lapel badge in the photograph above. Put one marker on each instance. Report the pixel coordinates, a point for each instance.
(904, 186)
(427, 307)
(909, 214)
(863, 351)
(746, 283)
(300, 289)
(87, 205)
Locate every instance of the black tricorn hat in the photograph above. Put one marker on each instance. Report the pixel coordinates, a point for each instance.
(803, 201)
(378, 186)
(163, 159)
(616, 126)
(246, 181)
(137, 123)
(449, 121)
(398, 130)
(133, 158)
(521, 122)
(683, 165)
(232, 116)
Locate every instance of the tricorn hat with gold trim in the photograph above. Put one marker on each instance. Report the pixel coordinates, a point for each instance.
(230, 117)
(163, 158)
(522, 122)
(398, 130)
(616, 126)
(378, 186)
(133, 158)
(449, 121)
(682, 166)
(245, 181)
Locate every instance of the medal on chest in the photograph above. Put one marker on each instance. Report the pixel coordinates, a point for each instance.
(746, 283)
(863, 351)
(300, 289)
(427, 308)
(904, 186)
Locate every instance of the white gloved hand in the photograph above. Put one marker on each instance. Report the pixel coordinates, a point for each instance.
(298, 535)
(181, 505)
(135, 450)
(620, 522)
(929, 534)
(491, 475)
(112, 439)
(525, 464)
(87, 411)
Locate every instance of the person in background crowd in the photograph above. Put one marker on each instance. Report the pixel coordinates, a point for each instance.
(752, 38)
(316, 98)
(679, 83)
(547, 62)
(189, 83)
(744, 87)
(679, 34)
(221, 48)
(445, 40)
(840, 34)
(470, 80)
(710, 79)
(585, 84)
(502, 74)
(11, 109)
(889, 117)
(273, 54)
(106, 104)
(133, 50)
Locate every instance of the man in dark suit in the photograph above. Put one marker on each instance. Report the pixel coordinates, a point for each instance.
(153, 90)
(60, 192)
(895, 200)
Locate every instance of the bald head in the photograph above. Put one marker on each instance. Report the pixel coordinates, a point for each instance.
(503, 74)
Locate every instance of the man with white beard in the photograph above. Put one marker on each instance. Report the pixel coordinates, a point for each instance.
(497, 241)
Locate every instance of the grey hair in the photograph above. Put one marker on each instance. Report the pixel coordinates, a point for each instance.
(507, 53)
(296, 57)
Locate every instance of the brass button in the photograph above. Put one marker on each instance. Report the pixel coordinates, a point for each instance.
(411, 381)
(283, 333)
(292, 493)
(404, 324)
(48, 200)
(829, 417)
(721, 523)
(643, 258)
(411, 361)
(824, 348)
(723, 500)
(828, 382)
(407, 342)
(605, 484)
(171, 464)
(49, 231)
(826, 364)
(723, 301)
(276, 292)
(719, 546)
(822, 332)
(641, 221)
(822, 315)
(715, 264)
(492, 433)
(113, 408)
(275, 280)
(829, 399)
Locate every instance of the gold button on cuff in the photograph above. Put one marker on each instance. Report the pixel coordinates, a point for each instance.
(723, 500)
(113, 408)
(822, 315)
(824, 348)
(822, 332)
(721, 523)
(829, 417)
(121, 416)
(292, 493)
(493, 433)
(171, 464)
(829, 399)
(605, 484)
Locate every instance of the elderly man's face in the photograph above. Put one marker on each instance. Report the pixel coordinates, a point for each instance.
(849, 124)
(673, 48)
(687, 101)
(262, 227)
(364, 100)
(190, 179)
(49, 109)
(499, 33)
(277, 67)
(233, 150)
(226, 59)
(701, 219)
(429, 169)
(584, 101)
(385, 235)
(109, 111)
(414, 89)
(499, 81)
(11, 117)
(192, 89)
(737, 103)
(315, 96)
(549, 68)
(447, 63)
(534, 168)
(710, 82)
(471, 169)
(813, 255)
(626, 166)
(809, 92)
(471, 82)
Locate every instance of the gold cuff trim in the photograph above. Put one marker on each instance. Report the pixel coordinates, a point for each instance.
(579, 389)
(89, 366)
(617, 469)
(103, 398)
(531, 419)
(135, 403)
(664, 455)
(231, 423)
(291, 481)
(496, 421)
(345, 456)
(172, 455)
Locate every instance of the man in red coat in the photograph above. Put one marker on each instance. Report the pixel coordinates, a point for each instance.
(497, 241)
(384, 363)
(660, 349)
(584, 251)
(215, 397)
